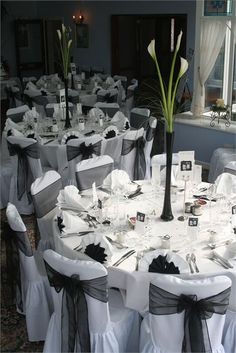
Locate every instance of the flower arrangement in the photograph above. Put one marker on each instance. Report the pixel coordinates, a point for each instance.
(168, 93)
(65, 46)
(219, 106)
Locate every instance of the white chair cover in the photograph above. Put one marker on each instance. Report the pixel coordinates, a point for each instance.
(139, 117)
(230, 168)
(226, 184)
(35, 299)
(17, 114)
(229, 333)
(129, 103)
(155, 330)
(79, 149)
(112, 147)
(108, 108)
(220, 158)
(29, 169)
(129, 161)
(93, 170)
(44, 191)
(149, 137)
(111, 327)
(158, 162)
(49, 108)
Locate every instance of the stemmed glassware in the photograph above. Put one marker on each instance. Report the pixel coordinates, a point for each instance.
(211, 194)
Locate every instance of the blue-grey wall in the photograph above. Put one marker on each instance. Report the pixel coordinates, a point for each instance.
(202, 140)
(98, 15)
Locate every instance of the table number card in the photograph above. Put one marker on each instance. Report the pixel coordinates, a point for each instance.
(233, 218)
(192, 222)
(140, 225)
(79, 108)
(62, 98)
(73, 68)
(186, 165)
(234, 210)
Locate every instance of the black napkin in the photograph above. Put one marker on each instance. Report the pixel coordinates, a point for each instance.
(71, 137)
(31, 136)
(110, 134)
(161, 265)
(60, 223)
(89, 133)
(96, 252)
(127, 126)
(44, 93)
(9, 133)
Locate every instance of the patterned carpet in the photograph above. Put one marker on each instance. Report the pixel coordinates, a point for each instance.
(13, 328)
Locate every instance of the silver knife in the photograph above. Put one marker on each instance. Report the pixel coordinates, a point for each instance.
(124, 257)
(222, 259)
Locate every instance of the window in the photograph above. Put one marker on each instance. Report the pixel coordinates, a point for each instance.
(216, 75)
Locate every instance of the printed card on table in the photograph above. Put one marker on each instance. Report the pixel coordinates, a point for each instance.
(62, 98)
(186, 165)
(73, 68)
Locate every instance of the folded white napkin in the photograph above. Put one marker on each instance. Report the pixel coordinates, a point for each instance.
(119, 179)
(110, 81)
(72, 223)
(15, 132)
(69, 197)
(120, 120)
(226, 184)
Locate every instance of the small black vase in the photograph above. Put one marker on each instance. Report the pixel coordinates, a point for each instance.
(67, 123)
(167, 212)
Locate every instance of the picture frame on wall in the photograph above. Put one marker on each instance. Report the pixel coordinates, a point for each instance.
(82, 35)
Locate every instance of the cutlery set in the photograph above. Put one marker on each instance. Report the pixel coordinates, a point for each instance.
(192, 262)
(219, 260)
(123, 258)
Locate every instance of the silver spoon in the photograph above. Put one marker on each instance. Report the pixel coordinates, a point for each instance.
(189, 261)
(194, 260)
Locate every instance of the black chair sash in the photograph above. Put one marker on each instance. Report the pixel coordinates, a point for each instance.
(17, 241)
(140, 161)
(17, 117)
(85, 178)
(24, 174)
(196, 335)
(137, 120)
(74, 310)
(86, 151)
(45, 200)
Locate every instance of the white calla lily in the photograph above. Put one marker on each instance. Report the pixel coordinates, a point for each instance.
(69, 43)
(151, 49)
(179, 40)
(168, 92)
(59, 34)
(183, 66)
(63, 28)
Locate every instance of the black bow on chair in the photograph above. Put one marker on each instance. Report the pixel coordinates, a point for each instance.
(86, 151)
(110, 134)
(74, 311)
(196, 335)
(24, 175)
(140, 161)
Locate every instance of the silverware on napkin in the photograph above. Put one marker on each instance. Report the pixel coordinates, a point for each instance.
(124, 257)
(222, 259)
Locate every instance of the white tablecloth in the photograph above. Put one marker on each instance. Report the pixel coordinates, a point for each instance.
(132, 282)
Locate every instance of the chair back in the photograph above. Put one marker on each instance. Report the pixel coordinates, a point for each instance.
(129, 103)
(108, 108)
(132, 154)
(166, 313)
(112, 147)
(17, 114)
(79, 149)
(44, 191)
(86, 272)
(226, 184)
(93, 170)
(139, 117)
(26, 167)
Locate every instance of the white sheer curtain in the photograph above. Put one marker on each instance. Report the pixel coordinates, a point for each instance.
(212, 37)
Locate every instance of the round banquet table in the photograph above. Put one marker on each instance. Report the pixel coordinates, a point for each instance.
(126, 276)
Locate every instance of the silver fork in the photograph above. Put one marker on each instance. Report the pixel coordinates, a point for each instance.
(116, 243)
(194, 260)
(189, 261)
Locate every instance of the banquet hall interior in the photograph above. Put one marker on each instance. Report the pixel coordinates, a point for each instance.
(118, 176)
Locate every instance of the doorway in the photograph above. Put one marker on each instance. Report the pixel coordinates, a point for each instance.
(130, 36)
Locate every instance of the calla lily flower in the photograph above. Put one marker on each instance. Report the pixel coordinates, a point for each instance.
(59, 34)
(183, 66)
(65, 45)
(168, 94)
(151, 49)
